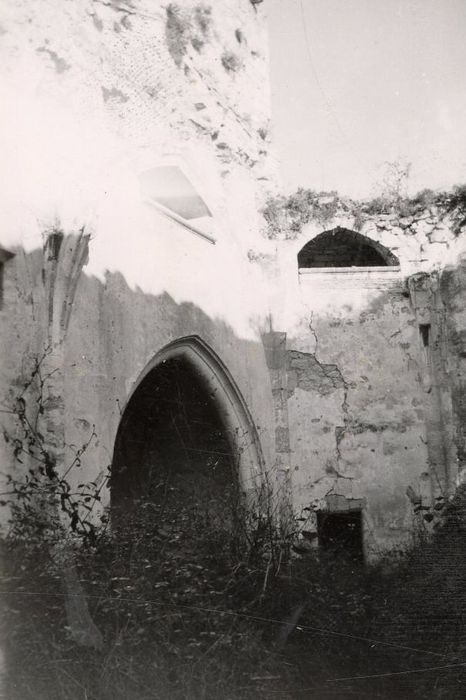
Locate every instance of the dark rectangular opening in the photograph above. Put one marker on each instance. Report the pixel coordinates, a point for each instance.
(424, 330)
(4, 256)
(340, 534)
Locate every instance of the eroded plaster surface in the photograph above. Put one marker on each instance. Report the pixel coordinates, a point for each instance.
(371, 397)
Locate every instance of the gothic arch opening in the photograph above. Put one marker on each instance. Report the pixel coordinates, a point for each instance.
(185, 442)
(341, 247)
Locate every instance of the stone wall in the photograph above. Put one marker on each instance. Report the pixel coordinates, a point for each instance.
(373, 404)
(353, 377)
(96, 93)
(452, 289)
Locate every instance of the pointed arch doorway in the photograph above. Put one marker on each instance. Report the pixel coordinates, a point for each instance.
(186, 443)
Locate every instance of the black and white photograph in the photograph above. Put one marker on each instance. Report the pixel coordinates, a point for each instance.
(233, 350)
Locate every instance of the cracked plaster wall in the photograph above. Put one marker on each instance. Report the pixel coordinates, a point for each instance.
(361, 432)
(370, 409)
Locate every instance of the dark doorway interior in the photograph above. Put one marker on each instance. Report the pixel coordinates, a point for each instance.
(172, 452)
(340, 534)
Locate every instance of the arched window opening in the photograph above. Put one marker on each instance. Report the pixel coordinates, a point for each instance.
(342, 247)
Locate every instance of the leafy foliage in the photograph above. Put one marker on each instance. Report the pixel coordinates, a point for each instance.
(290, 214)
(43, 505)
(285, 216)
(455, 207)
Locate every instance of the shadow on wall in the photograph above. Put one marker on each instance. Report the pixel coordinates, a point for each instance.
(115, 335)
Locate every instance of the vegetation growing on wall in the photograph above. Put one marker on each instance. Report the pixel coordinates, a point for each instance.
(286, 215)
(193, 26)
(186, 26)
(176, 32)
(43, 502)
(231, 62)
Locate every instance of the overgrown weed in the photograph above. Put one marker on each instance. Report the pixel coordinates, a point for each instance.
(195, 603)
(183, 620)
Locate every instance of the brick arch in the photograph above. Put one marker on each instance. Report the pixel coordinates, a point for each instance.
(341, 247)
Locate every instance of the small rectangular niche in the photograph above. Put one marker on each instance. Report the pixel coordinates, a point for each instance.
(424, 330)
(4, 256)
(340, 534)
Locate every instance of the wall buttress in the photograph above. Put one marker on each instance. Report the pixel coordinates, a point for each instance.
(275, 353)
(430, 316)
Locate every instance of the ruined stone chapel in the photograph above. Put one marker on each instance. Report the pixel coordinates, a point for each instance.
(189, 315)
